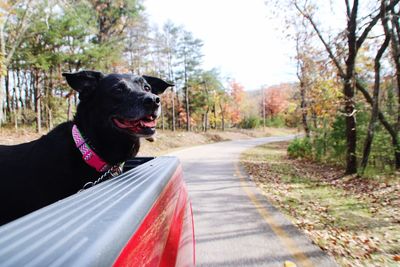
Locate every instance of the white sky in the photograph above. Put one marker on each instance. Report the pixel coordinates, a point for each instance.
(238, 37)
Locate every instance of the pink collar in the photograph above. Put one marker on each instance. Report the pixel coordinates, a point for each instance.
(88, 155)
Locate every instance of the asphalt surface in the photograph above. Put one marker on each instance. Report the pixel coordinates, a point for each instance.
(234, 223)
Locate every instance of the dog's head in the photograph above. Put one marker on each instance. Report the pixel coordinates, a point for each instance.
(128, 103)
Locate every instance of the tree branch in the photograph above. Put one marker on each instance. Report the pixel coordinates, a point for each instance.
(373, 22)
(327, 47)
(23, 27)
(347, 8)
(381, 116)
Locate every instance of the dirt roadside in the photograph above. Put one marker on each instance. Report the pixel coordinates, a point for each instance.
(354, 219)
(165, 141)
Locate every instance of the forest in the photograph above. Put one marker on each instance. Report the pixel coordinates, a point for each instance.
(42, 39)
(346, 98)
(348, 81)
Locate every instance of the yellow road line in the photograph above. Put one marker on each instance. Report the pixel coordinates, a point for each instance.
(296, 252)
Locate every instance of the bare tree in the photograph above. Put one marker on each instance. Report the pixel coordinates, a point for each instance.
(302, 76)
(347, 73)
(394, 30)
(9, 43)
(377, 84)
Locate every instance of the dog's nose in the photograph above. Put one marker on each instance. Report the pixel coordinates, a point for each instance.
(152, 101)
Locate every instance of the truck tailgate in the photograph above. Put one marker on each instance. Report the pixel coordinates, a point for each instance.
(141, 218)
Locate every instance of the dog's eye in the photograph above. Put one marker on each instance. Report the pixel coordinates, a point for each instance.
(147, 88)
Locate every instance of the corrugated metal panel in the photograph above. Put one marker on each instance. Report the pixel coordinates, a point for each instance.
(89, 228)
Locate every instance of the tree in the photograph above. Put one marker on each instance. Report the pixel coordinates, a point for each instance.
(110, 36)
(10, 40)
(237, 94)
(225, 102)
(377, 84)
(207, 98)
(138, 45)
(189, 54)
(354, 42)
(113, 17)
(394, 32)
(275, 100)
(304, 71)
(170, 35)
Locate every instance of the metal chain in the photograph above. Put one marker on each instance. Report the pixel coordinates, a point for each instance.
(112, 172)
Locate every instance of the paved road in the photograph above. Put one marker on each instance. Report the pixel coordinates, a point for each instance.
(234, 223)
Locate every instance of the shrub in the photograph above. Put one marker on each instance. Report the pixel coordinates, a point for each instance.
(277, 121)
(300, 148)
(250, 122)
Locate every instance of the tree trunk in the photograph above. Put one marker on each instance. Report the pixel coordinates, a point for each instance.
(28, 86)
(45, 101)
(301, 76)
(69, 110)
(222, 119)
(20, 82)
(348, 90)
(12, 94)
(8, 96)
(351, 134)
(50, 118)
(215, 116)
(303, 107)
(395, 37)
(162, 119)
(15, 100)
(203, 122)
(186, 93)
(37, 99)
(206, 120)
(173, 111)
(375, 95)
(187, 108)
(179, 112)
(49, 98)
(2, 115)
(391, 130)
(2, 78)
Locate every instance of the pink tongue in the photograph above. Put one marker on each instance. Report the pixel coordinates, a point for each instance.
(125, 124)
(149, 124)
(135, 126)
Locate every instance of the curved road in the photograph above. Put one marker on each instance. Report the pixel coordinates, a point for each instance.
(234, 223)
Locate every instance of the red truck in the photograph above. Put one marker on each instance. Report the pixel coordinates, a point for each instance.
(142, 217)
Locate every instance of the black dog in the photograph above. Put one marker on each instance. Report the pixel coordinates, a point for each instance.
(114, 111)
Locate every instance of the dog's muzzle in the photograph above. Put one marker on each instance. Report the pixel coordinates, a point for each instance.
(145, 125)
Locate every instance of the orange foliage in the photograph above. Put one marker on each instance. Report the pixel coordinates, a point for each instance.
(276, 99)
(237, 94)
(182, 117)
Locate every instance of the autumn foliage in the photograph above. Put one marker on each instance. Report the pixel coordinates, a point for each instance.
(237, 94)
(276, 99)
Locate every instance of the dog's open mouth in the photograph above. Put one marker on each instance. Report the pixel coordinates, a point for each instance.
(137, 126)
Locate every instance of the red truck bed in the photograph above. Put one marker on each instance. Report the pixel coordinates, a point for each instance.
(141, 218)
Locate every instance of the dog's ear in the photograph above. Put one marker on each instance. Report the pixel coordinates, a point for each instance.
(158, 85)
(83, 81)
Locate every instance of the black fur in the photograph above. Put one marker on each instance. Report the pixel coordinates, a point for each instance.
(40, 172)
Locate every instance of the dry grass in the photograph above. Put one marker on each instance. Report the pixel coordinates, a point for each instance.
(166, 141)
(10, 136)
(354, 219)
